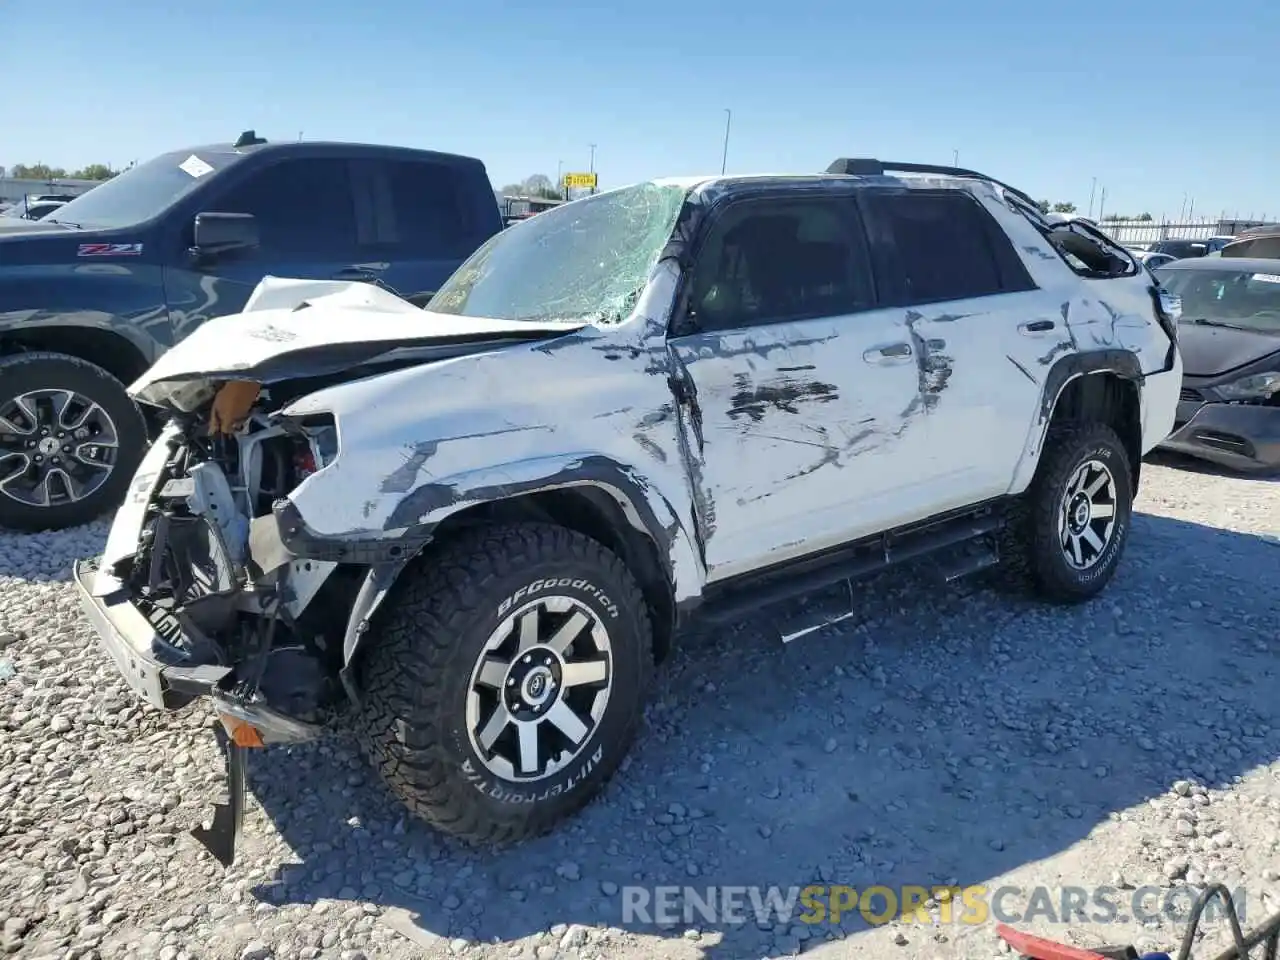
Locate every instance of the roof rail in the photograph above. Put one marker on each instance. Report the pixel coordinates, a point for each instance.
(249, 138)
(868, 167)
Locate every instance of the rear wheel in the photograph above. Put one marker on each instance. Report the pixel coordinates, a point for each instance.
(70, 440)
(507, 680)
(1068, 534)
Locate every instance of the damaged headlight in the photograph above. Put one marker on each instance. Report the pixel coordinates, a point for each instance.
(320, 433)
(1257, 386)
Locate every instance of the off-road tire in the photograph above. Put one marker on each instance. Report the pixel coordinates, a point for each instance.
(1031, 556)
(24, 372)
(412, 720)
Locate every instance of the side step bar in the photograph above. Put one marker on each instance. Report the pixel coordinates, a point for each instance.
(820, 592)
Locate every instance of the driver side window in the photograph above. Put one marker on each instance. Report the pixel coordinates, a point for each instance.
(302, 208)
(778, 261)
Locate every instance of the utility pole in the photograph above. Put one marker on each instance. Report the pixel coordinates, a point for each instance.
(724, 157)
(1102, 202)
(564, 192)
(1092, 188)
(593, 162)
(955, 158)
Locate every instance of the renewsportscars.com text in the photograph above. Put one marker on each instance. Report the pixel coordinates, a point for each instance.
(876, 905)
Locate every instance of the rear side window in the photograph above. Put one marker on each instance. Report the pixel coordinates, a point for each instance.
(934, 246)
(426, 214)
(303, 207)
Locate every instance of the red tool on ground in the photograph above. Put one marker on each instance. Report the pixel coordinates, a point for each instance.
(1265, 937)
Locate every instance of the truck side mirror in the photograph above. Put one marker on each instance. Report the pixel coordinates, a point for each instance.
(219, 233)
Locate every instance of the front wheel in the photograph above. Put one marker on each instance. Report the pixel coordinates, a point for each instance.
(1067, 536)
(507, 680)
(70, 440)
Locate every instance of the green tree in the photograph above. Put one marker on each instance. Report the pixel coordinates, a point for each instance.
(1064, 207)
(37, 171)
(94, 171)
(1146, 218)
(1044, 206)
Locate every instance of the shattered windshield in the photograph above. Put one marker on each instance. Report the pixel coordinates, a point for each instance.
(1241, 298)
(585, 261)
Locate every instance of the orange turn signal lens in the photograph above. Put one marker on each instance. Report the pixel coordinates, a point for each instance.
(242, 734)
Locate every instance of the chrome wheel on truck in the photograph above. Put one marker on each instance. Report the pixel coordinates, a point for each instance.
(70, 439)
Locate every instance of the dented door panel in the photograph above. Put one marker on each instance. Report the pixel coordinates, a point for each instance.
(806, 434)
(980, 383)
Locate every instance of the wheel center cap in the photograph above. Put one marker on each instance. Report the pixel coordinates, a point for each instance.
(1082, 513)
(537, 686)
(48, 446)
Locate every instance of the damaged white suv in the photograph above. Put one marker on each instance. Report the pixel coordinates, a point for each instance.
(472, 531)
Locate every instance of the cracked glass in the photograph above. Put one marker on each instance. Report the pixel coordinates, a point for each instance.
(587, 261)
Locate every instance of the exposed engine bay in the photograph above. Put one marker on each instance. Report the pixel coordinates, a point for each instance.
(194, 574)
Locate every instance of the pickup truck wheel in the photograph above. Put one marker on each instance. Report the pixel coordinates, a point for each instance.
(507, 680)
(1066, 537)
(70, 441)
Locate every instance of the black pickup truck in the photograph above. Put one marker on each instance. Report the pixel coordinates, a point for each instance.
(93, 294)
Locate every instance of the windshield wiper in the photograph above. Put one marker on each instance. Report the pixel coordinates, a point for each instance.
(65, 223)
(1206, 322)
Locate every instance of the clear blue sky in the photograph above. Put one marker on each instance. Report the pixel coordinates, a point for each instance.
(1156, 100)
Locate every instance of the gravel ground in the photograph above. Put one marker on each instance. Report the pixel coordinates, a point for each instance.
(949, 736)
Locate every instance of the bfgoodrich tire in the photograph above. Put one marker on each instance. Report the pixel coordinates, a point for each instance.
(1068, 534)
(507, 680)
(70, 441)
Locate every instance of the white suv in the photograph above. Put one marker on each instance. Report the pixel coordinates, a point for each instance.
(472, 531)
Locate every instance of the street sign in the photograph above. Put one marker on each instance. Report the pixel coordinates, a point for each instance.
(587, 180)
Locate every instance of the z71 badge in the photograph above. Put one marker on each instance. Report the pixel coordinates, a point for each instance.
(109, 250)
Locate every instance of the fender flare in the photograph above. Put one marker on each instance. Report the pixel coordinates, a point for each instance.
(1073, 366)
(424, 508)
(1123, 363)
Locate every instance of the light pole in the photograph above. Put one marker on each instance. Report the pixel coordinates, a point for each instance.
(1092, 187)
(724, 157)
(593, 162)
(564, 194)
(955, 158)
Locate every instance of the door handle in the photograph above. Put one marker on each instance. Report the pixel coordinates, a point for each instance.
(889, 353)
(1036, 326)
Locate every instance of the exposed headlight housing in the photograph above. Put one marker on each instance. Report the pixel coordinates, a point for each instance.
(1257, 386)
(321, 444)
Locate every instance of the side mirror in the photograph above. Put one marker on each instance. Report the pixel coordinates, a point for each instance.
(219, 233)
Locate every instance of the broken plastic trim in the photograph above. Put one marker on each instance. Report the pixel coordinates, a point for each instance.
(223, 833)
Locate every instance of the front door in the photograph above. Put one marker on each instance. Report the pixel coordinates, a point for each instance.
(809, 430)
(305, 213)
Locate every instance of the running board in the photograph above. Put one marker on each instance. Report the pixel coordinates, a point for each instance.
(798, 602)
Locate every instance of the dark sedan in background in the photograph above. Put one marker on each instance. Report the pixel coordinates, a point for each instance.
(1229, 336)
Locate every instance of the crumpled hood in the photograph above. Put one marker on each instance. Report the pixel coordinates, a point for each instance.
(304, 328)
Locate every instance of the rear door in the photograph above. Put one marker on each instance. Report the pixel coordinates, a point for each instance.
(305, 213)
(982, 331)
(427, 217)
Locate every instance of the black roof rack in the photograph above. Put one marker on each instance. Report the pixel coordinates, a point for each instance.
(249, 138)
(868, 167)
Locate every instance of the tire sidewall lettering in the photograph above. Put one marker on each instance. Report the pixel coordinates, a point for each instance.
(602, 603)
(520, 795)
